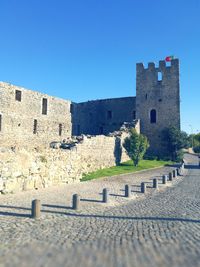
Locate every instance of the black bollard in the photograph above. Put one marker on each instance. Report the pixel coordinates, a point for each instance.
(127, 191)
(75, 202)
(170, 176)
(174, 173)
(155, 183)
(105, 195)
(143, 188)
(36, 207)
(164, 179)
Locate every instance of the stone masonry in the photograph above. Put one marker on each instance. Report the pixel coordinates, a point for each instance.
(102, 116)
(24, 169)
(30, 121)
(157, 100)
(31, 118)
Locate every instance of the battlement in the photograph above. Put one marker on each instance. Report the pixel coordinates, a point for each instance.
(161, 66)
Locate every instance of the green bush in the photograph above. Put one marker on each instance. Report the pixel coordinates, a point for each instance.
(135, 146)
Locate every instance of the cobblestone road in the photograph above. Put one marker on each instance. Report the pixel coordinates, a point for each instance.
(160, 228)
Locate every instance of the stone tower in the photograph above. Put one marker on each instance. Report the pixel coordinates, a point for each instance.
(157, 100)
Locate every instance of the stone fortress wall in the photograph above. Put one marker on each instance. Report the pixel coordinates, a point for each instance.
(24, 169)
(102, 116)
(31, 118)
(30, 121)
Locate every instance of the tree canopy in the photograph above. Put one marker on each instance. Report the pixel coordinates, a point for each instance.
(174, 141)
(136, 146)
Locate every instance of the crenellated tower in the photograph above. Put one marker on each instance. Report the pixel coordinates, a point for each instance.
(157, 100)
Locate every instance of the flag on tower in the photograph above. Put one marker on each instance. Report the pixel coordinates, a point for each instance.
(169, 58)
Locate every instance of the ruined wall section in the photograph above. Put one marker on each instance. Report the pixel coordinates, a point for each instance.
(24, 169)
(160, 94)
(31, 118)
(102, 116)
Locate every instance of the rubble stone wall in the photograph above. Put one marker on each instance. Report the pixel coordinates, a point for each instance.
(23, 169)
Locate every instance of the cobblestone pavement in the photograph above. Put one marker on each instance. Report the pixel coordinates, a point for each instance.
(160, 228)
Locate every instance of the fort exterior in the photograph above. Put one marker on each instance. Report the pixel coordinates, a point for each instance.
(30, 121)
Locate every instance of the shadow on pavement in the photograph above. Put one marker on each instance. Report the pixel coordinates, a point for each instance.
(57, 206)
(109, 217)
(90, 200)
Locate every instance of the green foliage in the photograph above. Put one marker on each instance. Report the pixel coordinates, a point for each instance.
(174, 141)
(197, 138)
(126, 167)
(194, 140)
(136, 146)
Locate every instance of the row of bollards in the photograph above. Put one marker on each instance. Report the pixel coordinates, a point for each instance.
(36, 204)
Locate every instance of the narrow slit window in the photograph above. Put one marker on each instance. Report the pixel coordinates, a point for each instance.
(18, 95)
(44, 106)
(60, 129)
(134, 115)
(159, 76)
(153, 116)
(35, 127)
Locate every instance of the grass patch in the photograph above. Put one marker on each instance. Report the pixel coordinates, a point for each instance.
(126, 167)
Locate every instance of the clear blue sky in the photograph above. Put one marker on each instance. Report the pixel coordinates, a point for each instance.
(87, 49)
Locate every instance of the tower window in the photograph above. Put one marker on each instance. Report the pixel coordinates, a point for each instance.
(60, 129)
(146, 96)
(44, 106)
(153, 116)
(159, 76)
(35, 127)
(109, 114)
(18, 95)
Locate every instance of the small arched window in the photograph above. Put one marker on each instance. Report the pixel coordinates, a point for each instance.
(153, 116)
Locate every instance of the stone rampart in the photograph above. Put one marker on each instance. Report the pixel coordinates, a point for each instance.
(23, 169)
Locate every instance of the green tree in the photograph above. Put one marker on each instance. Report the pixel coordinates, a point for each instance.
(174, 141)
(196, 142)
(136, 146)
